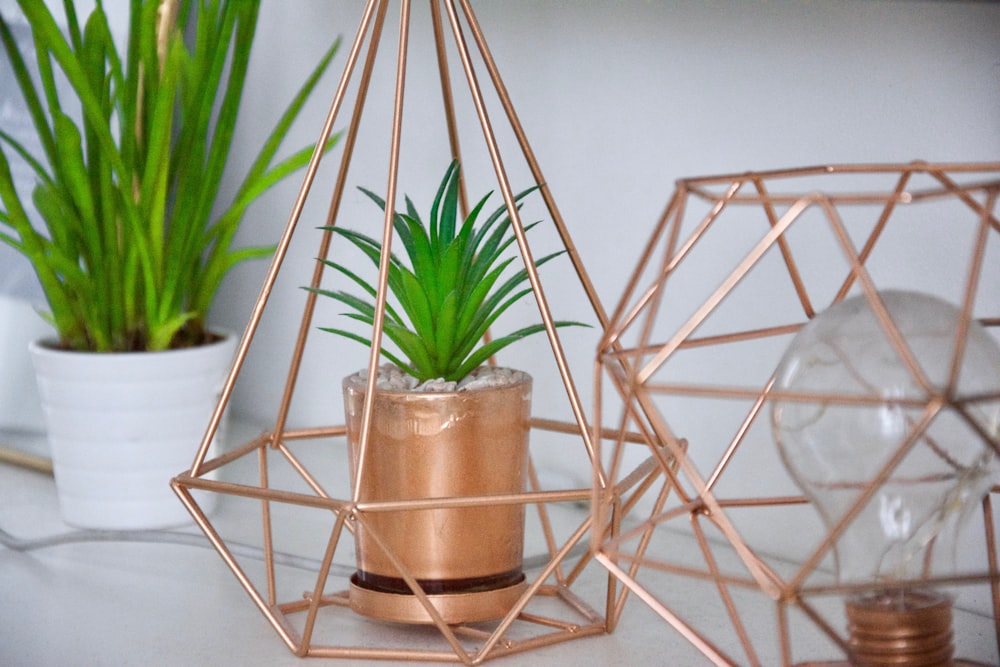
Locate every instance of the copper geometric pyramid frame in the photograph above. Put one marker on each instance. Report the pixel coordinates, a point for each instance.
(303, 622)
(662, 316)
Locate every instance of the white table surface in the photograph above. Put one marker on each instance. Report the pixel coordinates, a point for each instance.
(94, 603)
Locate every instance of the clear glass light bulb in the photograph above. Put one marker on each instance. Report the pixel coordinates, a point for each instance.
(856, 400)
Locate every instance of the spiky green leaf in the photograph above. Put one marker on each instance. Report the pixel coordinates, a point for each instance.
(454, 289)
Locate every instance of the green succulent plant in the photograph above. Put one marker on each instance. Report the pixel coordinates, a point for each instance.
(132, 238)
(450, 291)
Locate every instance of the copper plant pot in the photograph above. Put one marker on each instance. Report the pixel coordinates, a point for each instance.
(440, 445)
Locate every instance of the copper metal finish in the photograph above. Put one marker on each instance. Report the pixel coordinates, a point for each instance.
(441, 445)
(911, 629)
(774, 247)
(537, 612)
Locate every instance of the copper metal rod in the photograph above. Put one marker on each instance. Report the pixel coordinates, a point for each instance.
(711, 504)
(784, 636)
(633, 353)
(311, 433)
(280, 252)
(613, 603)
(772, 501)
(624, 316)
(602, 500)
(364, 653)
(687, 632)
(685, 571)
(963, 195)
(870, 489)
(640, 550)
(649, 303)
(574, 601)
(660, 437)
(381, 295)
(446, 631)
(261, 493)
(517, 226)
(539, 582)
(642, 472)
(878, 306)
(536, 170)
(971, 285)
(640, 489)
(339, 599)
(302, 471)
(350, 139)
(350, 510)
(875, 235)
(571, 428)
(618, 320)
(731, 280)
(451, 124)
(673, 255)
(786, 251)
(783, 395)
(286, 634)
(840, 199)
(671, 452)
(737, 440)
(904, 584)
(659, 518)
(267, 531)
(321, 576)
(860, 168)
(823, 625)
(741, 336)
(723, 590)
(238, 452)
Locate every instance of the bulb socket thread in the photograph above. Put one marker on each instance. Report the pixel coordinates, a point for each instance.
(901, 629)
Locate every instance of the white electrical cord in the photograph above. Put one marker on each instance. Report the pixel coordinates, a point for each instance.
(193, 539)
(158, 537)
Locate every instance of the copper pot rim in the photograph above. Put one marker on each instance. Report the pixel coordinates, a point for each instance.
(359, 380)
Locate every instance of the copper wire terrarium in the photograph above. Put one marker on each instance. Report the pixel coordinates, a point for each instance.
(738, 270)
(307, 494)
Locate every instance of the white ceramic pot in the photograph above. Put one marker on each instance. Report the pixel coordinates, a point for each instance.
(121, 425)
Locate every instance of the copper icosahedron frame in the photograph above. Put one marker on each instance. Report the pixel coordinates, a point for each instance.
(854, 213)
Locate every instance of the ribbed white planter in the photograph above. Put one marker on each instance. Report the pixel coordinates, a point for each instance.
(121, 425)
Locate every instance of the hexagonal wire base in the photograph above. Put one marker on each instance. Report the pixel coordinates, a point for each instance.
(548, 611)
(686, 344)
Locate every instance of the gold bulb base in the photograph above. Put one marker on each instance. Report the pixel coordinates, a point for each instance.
(901, 629)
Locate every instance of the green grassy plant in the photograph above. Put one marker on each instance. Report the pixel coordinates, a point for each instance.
(450, 291)
(133, 239)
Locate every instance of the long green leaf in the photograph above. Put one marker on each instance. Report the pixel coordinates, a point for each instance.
(127, 192)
